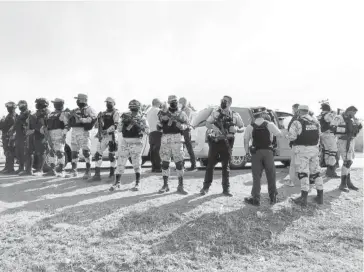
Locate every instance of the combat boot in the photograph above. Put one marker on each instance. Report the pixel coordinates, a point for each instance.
(112, 172)
(87, 174)
(5, 169)
(165, 187)
(302, 200)
(343, 185)
(350, 184)
(52, 171)
(273, 198)
(60, 173)
(74, 172)
(97, 176)
(226, 185)
(180, 189)
(137, 180)
(320, 197)
(116, 184)
(205, 189)
(252, 201)
(330, 172)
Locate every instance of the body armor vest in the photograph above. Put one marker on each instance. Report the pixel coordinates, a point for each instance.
(134, 131)
(324, 125)
(172, 129)
(261, 136)
(108, 119)
(54, 122)
(309, 135)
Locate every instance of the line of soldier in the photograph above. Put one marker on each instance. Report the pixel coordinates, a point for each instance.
(41, 128)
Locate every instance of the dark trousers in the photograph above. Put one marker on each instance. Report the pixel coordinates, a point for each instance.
(216, 149)
(155, 138)
(20, 151)
(9, 153)
(187, 136)
(263, 159)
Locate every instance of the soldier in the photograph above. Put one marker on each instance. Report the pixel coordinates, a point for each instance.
(82, 120)
(57, 126)
(18, 132)
(133, 125)
(222, 123)
(172, 122)
(346, 128)
(292, 167)
(187, 133)
(328, 139)
(261, 132)
(5, 125)
(305, 134)
(107, 123)
(37, 143)
(155, 136)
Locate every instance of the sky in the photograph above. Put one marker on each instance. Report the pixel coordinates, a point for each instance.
(262, 53)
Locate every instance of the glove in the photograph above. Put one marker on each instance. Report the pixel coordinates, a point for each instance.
(232, 129)
(29, 132)
(179, 125)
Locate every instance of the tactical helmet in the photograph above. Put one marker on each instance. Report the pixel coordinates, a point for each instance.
(42, 101)
(10, 104)
(134, 104)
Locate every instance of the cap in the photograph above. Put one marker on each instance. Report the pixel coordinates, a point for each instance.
(22, 102)
(352, 108)
(81, 97)
(58, 100)
(303, 107)
(110, 99)
(172, 98)
(258, 110)
(10, 104)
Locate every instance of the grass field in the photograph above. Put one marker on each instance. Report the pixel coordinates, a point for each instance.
(71, 225)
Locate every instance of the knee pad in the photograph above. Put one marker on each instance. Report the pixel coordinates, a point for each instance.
(314, 176)
(179, 165)
(97, 156)
(302, 175)
(86, 153)
(59, 154)
(348, 163)
(74, 154)
(111, 157)
(165, 165)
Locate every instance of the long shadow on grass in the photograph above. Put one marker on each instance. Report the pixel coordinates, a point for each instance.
(240, 232)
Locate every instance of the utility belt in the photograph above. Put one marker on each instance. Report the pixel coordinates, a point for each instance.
(345, 138)
(217, 138)
(254, 149)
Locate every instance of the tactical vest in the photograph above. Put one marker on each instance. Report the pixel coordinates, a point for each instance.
(54, 122)
(261, 136)
(172, 129)
(309, 135)
(72, 121)
(351, 130)
(20, 124)
(134, 132)
(8, 123)
(324, 125)
(108, 119)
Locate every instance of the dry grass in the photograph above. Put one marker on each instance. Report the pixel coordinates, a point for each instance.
(75, 227)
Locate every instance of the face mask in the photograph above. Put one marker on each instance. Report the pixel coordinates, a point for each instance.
(10, 109)
(22, 107)
(173, 105)
(58, 106)
(223, 104)
(134, 110)
(81, 105)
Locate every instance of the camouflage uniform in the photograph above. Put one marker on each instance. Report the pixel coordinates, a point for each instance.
(82, 120)
(8, 145)
(329, 142)
(172, 122)
(57, 125)
(133, 125)
(305, 133)
(107, 123)
(346, 129)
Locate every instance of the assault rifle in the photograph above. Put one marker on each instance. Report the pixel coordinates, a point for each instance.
(134, 119)
(47, 136)
(220, 125)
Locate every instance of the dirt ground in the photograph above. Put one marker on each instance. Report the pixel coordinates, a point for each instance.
(53, 224)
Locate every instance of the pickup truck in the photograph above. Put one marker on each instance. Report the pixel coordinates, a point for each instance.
(238, 159)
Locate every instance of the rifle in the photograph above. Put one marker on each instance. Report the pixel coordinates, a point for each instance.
(133, 120)
(219, 124)
(47, 136)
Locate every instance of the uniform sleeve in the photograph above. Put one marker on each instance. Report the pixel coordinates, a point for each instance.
(116, 118)
(211, 119)
(239, 121)
(274, 129)
(294, 130)
(248, 133)
(145, 124)
(183, 120)
(329, 117)
(91, 115)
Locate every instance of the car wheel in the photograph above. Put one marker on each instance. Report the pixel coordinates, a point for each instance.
(237, 162)
(286, 163)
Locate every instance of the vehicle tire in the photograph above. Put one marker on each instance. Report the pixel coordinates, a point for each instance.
(286, 163)
(237, 162)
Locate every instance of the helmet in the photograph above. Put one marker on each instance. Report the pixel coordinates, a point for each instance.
(325, 107)
(42, 101)
(22, 102)
(134, 104)
(10, 104)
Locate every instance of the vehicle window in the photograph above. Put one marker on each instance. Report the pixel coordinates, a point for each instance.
(245, 114)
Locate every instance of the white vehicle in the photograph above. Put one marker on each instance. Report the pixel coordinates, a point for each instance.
(238, 159)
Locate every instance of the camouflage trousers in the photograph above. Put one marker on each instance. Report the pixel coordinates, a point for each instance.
(80, 139)
(347, 156)
(307, 163)
(330, 148)
(171, 147)
(56, 156)
(132, 148)
(101, 147)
